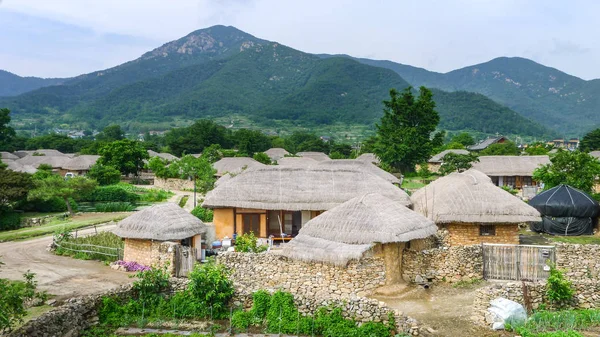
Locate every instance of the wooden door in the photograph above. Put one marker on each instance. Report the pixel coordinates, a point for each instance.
(251, 223)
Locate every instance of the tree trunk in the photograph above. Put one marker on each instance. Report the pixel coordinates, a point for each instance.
(69, 206)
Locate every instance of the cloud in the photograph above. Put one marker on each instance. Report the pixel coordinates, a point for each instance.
(568, 47)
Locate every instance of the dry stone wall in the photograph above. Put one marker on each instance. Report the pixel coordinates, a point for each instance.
(578, 261)
(443, 264)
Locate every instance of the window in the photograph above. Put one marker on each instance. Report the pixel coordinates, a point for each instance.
(527, 181)
(487, 230)
(251, 223)
(510, 181)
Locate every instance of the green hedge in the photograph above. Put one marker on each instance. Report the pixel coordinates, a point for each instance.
(9, 220)
(113, 193)
(48, 206)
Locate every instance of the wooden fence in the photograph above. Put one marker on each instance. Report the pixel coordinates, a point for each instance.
(185, 258)
(517, 262)
(117, 253)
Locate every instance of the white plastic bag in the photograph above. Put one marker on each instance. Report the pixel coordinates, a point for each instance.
(506, 311)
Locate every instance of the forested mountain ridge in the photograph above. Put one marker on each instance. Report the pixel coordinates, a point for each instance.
(221, 71)
(12, 84)
(546, 95)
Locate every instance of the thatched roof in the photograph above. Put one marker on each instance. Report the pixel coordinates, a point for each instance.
(235, 165)
(14, 165)
(318, 156)
(36, 161)
(438, 157)
(223, 179)
(276, 153)
(297, 189)
(297, 162)
(359, 222)
(470, 197)
(510, 165)
(81, 163)
(595, 154)
(7, 155)
(359, 165)
(162, 155)
(485, 143)
(162, 222)
(40, 152)
(369, 157)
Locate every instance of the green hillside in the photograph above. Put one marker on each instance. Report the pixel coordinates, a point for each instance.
(13, 85)
(546, 95)
(222, 72)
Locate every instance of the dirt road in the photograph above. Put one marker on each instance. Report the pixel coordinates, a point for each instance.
(59, 275)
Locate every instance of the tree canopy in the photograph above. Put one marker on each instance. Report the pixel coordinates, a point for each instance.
(188, 167)
(453, 162)
(507, 148)
(404, 133)
(104, 174)
(125, 155)
(463, 138)
(52, 185)
(7, 133)
(111, 133)
(13, 187)
(574, 168)
(591, 141)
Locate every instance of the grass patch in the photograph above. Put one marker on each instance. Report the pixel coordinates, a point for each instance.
(75, 222)
(109, 240)
(467, 284)
(581, 239)
(183, 201)
(564, 323)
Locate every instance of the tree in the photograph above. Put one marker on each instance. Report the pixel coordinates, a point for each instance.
(344, 150)
(54, 185)
(14, 187)
(111, 133)
(13, 299)
(262, 157)
(196, 137)
(463, 138)
(404, 132)
(577, 169)
(125, 155)
(305, 141)
(251, 141)
(457, 162)
(591, 141)
(105, 174)
(538, 149)
(7, 134)
(454, 146)
(507, 148)
(199, 168)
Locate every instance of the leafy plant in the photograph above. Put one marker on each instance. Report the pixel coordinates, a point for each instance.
(262, 157)
(104, 174)
(204, 214)
(114, 207)
(211, 289)
(13, 296)
(558, 289)
(248, 243)
(509, 189)
(151, 284)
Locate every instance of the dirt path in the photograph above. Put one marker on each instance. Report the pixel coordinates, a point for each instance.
(59, 275)
(443, 308)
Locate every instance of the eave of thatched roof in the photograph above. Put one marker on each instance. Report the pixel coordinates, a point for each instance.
(81, 163)
(297, 162)
(276, 153)
(36, 161)
(470, 197)
(41, 152)
(310, 249)
(595, 154)
(13, 165)
(370, 158)
(162, 155)
(295, 189)
(438, 157)
(235, 165)
(510, 165)
(318, 156)
(162, 222)
(8, 156)
(359, 165)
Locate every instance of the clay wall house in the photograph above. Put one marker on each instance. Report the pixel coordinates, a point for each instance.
(513, 171)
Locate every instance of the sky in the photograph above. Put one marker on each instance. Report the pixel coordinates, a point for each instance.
(64, 38)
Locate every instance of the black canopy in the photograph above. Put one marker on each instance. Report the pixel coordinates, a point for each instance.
(565, 201)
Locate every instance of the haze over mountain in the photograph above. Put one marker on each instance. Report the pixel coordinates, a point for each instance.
(13, 85)
(222, 71)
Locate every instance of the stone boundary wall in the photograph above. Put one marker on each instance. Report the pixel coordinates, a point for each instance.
(173, 184)
(444, 264)
(587, 295)
(578, 261)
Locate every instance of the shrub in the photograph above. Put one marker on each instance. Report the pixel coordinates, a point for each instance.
(114, 207)
(151, 284)
(13, 296)
(204, 214)
(211, 289)
(154, 195)
(262, 157)
(111, 193)
(558, 289)
(241, 320)
(104, 174)
(9, 220)
(133, 266)
(51, 205)
(248, 243)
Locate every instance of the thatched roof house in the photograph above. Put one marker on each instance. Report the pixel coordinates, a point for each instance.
(348, 231)
(8, 156)
(473, 209)
(35, 161)
(40, 152)
(297, 162)
(266, 199)
(514, 171)
(14, 165)
(235, 165)
(354, 164)
(276, 153)
(437, 159)
(370, 158)
(484, 144)
(163, 155)
(318, 156)
(79, 164)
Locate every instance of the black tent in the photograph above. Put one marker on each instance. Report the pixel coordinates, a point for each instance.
(565, 211)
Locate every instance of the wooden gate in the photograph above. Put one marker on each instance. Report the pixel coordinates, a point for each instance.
(185, 257)
(517, 262)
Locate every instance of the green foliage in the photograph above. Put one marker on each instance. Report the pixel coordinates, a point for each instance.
(14, 187)
(563, 323)
(198, 136)
(154, 195)
(453, 162)
(7, 133)
(454, 146)
(125, 155)
(558, 289)
(212, 153)
(9, 220)
(538, 149)
(211, 289)
(463, 138)
(248, 243)
(114, 207)
(262, 157)
(55, 186)
(185, 168)
(112, 193)
(577, 169)
(111, 133)
(204, 214)
(51, 205)
(509, 189)
(507, 148)
(251, 141)
(102, 239)
(300, 141)
(151, 284)
(404, 133)
(104, 174)
(13, 296)
(591, 141)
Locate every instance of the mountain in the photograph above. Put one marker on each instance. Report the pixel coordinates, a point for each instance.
(13, 85)
(546, 95)
(221, 71)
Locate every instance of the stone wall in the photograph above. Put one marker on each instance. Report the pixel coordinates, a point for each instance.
(468, 234)
(150, 253)
(34, 222)
(443, 264)
(173, 184)
(578, 261)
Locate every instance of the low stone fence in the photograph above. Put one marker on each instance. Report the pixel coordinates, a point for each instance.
(578, 261)
(443, 264)
(587, 295)
(174, 184)
(34, 222)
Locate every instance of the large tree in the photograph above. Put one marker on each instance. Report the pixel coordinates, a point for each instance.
(111, 133)
(6, 132)
(507, 148)
(196, 137)
(51, 186)
(457, 162)
(404, 133)
(464, 138)
(13, 187)
(591, 141)
(577, 169)
(250, 142)
(125, 155)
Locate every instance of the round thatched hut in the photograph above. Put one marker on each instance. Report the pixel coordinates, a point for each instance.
(370, 224)
(145, 230)
(473, 209)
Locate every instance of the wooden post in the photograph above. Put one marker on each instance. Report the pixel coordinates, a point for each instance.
(392, 256)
